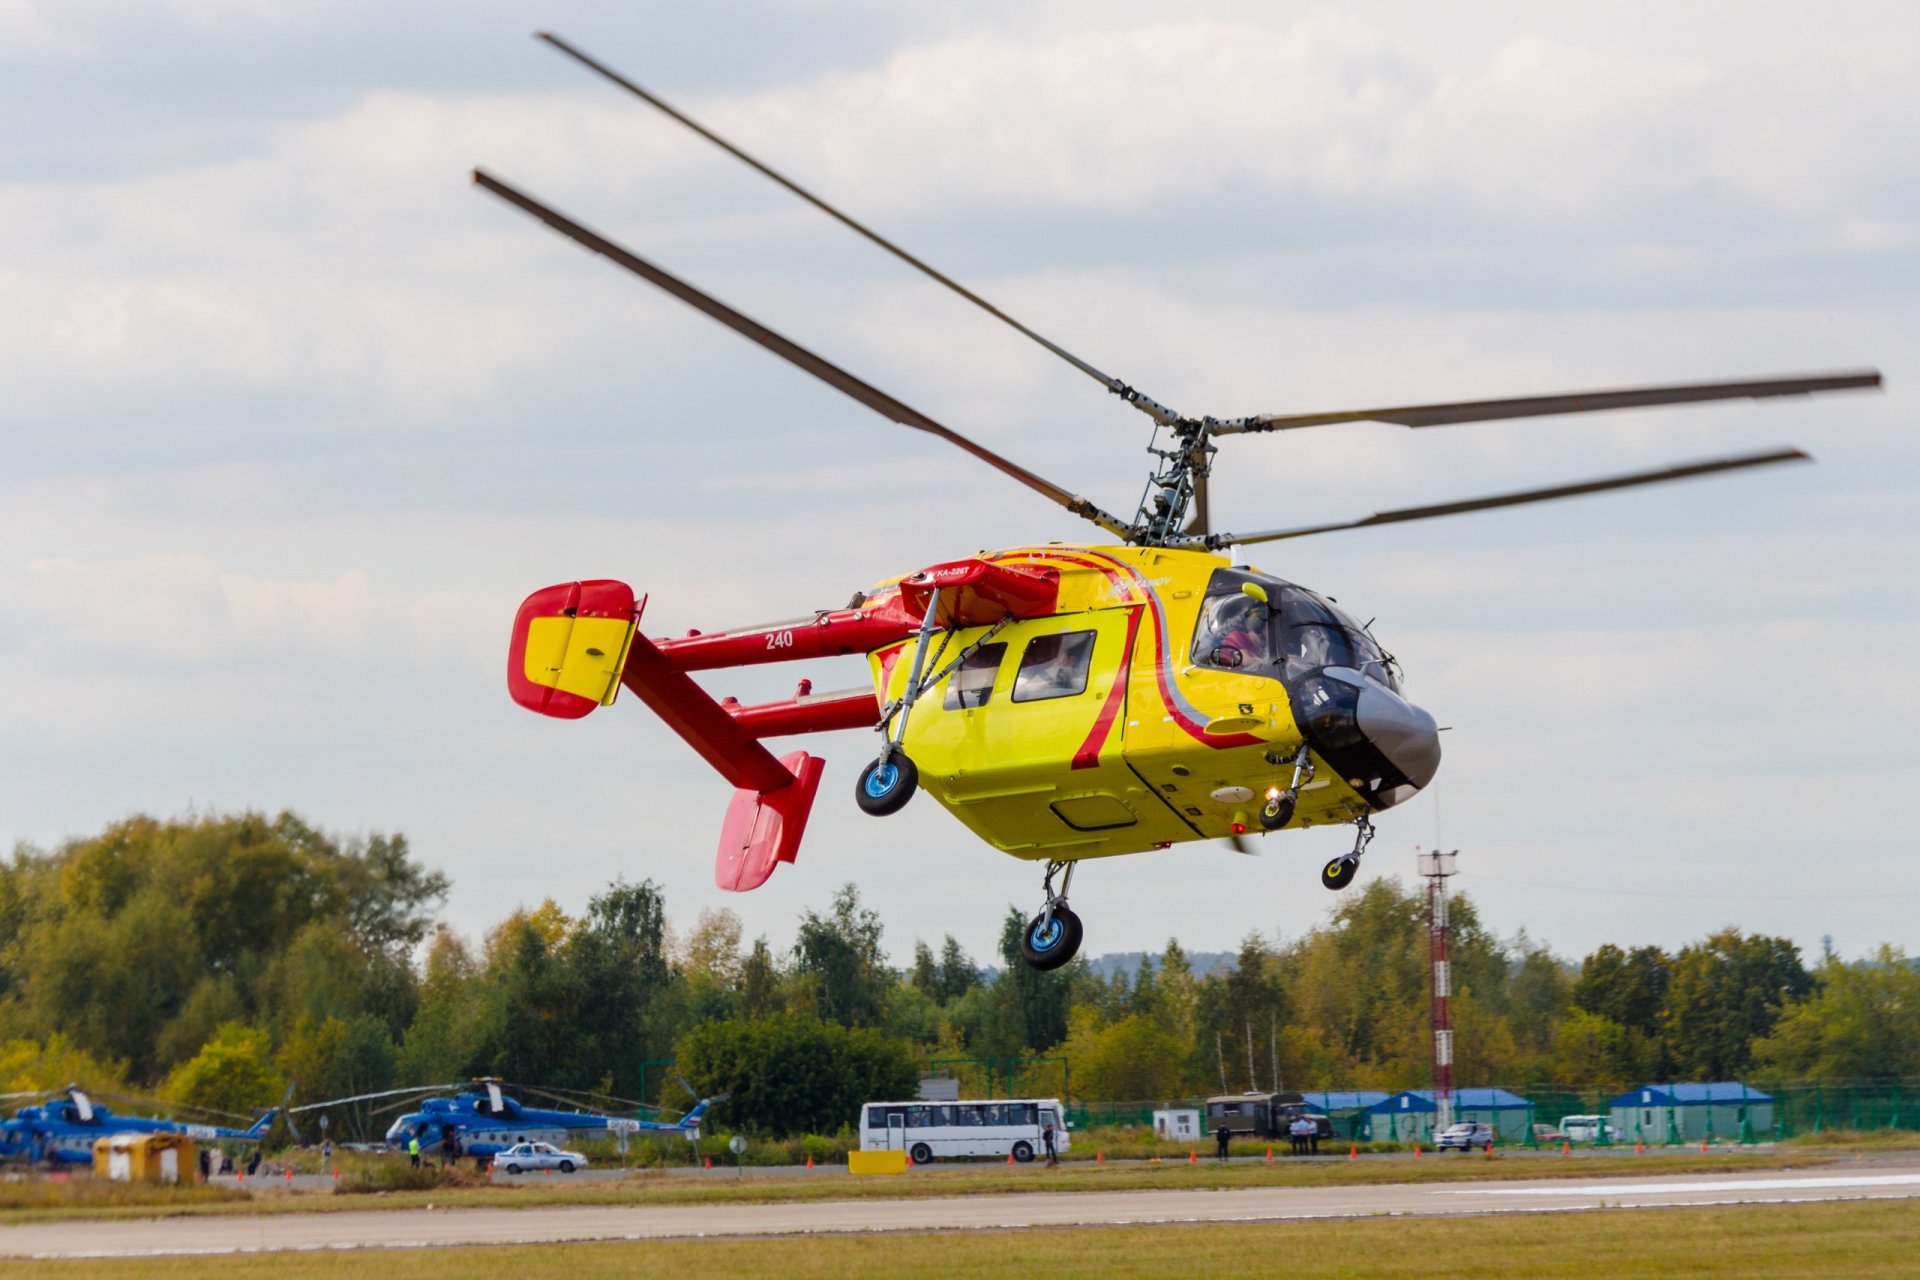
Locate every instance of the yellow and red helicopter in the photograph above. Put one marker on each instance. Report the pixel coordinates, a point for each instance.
(1062, 701)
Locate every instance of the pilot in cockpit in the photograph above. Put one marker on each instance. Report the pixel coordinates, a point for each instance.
(1233, 632)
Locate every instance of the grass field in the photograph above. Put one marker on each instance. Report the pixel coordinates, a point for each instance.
(26, 1202)
(1855, 1239)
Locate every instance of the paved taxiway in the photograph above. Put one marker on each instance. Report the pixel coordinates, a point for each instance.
(421, 1229)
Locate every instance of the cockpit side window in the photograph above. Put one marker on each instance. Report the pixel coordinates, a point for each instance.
(1054, 667)
(1235, 631)
(971, 683)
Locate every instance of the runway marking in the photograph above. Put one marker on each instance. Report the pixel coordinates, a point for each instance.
(1692, 1188)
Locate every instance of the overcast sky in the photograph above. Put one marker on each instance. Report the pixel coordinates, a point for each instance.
(294, 417)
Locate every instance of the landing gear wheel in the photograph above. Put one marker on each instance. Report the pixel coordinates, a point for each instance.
(1339, 873)
(1049, 943)
(1023, 1152)
(1278, 811)
(885, 788)
(921, 1153)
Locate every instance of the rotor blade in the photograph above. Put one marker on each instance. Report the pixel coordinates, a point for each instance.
(1158, 412)
(384, 1093)
(1686, 471)
(829, 373)
(1446, 415)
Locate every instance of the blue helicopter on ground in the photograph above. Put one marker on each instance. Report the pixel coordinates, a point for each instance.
(481, 1120)
(62, 1126)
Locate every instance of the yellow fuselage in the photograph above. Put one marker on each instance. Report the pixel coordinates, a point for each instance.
(1135, 759)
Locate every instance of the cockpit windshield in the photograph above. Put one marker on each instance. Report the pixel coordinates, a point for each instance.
(1292, 632)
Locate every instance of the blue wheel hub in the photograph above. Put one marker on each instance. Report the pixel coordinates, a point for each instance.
(882, 778)
(1045, 937)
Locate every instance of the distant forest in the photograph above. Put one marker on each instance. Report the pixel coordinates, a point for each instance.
(211, 960)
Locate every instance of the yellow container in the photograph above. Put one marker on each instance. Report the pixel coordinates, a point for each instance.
(144, 1157)
(876, 1162)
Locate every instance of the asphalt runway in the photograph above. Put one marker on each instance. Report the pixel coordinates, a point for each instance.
(432, 1229)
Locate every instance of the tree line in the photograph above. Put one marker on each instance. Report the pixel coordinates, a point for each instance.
(213, 959)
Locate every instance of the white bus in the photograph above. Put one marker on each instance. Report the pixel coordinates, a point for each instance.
(938, 1130)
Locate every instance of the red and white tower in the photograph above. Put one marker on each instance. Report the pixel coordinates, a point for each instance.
(1436, 866)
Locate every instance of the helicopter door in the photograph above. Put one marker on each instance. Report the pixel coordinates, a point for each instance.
(1024, 741)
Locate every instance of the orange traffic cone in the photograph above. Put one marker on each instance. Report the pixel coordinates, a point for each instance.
(708, 1165)
(336, 1173)
(1009, 1157)
(1099, 1157)
(809, 1162)
(1639, 1148)
(1193, 1157)
(1703, 1146)
(1489, 1146)
(289, 1175)
(1566, 1148)
(1353, 1152)
(1269, 1155)
(1416, 1151)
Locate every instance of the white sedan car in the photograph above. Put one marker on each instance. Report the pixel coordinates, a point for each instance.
(526, 1156)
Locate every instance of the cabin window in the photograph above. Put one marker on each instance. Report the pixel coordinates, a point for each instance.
(972, 681)
(1054, 667)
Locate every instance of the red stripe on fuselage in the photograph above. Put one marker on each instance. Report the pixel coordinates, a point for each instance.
(1088, 756)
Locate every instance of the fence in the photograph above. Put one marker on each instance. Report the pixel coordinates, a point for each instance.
(1768, 1111)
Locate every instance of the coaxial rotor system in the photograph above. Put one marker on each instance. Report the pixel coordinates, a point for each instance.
(1173, 510)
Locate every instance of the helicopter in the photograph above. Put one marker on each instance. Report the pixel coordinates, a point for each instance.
(65, 1123)
(482, 1120)
(1064, 701)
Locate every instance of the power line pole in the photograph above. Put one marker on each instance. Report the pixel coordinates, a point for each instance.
(1436, 866)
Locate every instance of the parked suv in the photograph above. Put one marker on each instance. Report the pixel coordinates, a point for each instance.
(1467, 1136)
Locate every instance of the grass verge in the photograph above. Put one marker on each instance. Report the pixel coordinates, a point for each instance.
(1866, 1239)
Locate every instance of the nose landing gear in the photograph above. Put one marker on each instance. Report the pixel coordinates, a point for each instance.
(1339, 873)
(1053, 937)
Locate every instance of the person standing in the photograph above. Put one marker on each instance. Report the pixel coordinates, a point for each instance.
(1220, 1140)
(1046, 1139)
(413, 1149)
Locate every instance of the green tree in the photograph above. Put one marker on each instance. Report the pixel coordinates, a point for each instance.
(794, 1073)
(233, 1072)
(1629, 989)
(1862, 1021)
(760, 982)
(838, 961)
(1726, 992)
(1132, 1059)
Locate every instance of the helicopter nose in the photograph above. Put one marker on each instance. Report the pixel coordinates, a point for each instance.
(1402, 732)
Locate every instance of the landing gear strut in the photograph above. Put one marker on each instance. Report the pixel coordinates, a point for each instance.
(1339, 873)
(1277, 812)
(887, 784)
(1053, 937)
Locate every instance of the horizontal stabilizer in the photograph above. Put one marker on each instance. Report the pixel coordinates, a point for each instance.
(763, 828)
(569, 647)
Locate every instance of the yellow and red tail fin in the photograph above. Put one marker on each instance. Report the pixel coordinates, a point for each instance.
(570, 645)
